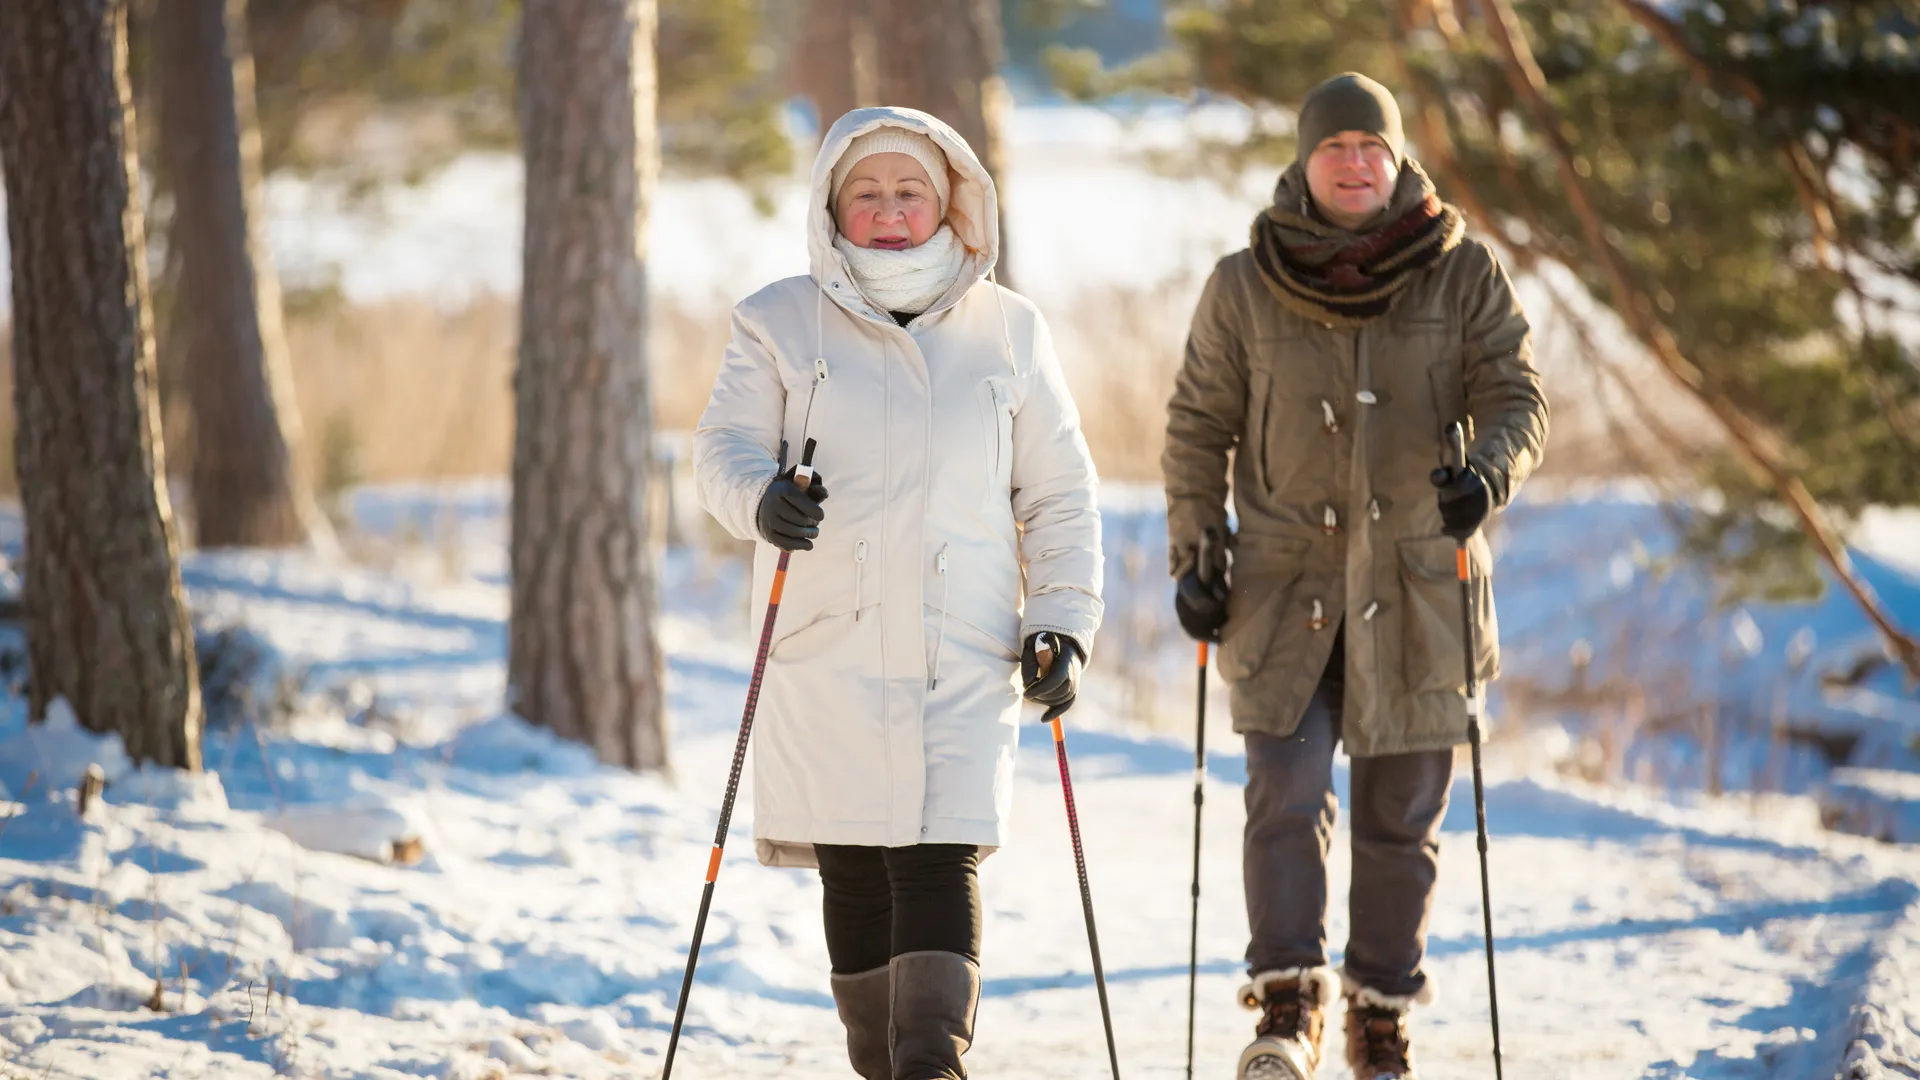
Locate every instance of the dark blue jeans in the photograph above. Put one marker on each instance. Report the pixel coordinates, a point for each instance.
(1397, 803)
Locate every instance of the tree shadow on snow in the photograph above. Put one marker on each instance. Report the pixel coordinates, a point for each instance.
(1818, 1002)
(1009, 986)
(1527, 808)
(1101, 753)
(1888, 898)
(202, 577)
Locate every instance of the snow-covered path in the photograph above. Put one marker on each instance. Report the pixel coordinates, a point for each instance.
(544, 935)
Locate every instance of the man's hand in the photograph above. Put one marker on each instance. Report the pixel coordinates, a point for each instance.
(1465, 501)
(790, 516)
(1050, 671)
(1201, 598)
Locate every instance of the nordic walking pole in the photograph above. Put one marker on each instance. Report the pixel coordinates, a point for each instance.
(1045, 651)
(1199, 799)
(1456, 435)
(803, 475)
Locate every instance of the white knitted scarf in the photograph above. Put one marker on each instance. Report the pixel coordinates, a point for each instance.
(907, 280)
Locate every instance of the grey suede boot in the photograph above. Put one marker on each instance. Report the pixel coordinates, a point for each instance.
(935, 995)
(863, 1004)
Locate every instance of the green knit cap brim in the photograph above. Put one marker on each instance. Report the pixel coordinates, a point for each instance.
(1350, 102)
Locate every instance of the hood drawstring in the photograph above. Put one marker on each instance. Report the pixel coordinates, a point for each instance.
(1006, 330)
(940, 636)
(819, 357)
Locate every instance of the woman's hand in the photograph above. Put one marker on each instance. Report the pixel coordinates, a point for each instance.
(1050, 671)
(790, 515)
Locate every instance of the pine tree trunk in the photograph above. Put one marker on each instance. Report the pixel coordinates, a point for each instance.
(106, 623)
(583, 656)
(831, 67)
(247, 487)
(943, 57)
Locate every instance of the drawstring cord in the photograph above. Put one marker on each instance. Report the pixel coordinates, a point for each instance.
(1006, 330)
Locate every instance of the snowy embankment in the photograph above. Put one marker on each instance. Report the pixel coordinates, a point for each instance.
(395, 881)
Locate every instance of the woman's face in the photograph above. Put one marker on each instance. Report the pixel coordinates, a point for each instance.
(1352, 176)
(887, 202)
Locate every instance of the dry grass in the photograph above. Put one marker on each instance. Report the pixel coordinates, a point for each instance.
(1121, 349)
(404, 390)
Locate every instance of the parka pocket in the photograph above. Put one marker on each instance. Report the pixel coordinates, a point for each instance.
(1449, 395)
(859, 575)
(1259, 390)
(1432, 634)
(997, 430)
(816, 640)
(1258, 610)
(1289, 414)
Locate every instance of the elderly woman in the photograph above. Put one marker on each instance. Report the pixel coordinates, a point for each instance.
(960, 550)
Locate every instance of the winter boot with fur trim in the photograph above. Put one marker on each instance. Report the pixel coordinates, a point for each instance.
(1377, 1044)
(865, 1009)
(1292, 1006)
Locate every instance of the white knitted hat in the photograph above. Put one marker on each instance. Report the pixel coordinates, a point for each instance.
(894, 140)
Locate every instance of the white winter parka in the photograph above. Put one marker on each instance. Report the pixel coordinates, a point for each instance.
(961, 518)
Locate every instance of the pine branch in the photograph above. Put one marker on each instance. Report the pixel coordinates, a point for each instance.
(1814, 196)
(1806, 183)
(1753, 443)
(1430, 122)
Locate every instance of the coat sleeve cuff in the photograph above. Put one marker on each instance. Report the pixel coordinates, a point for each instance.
(750, 519)
(1498, 484)
(1082, 637)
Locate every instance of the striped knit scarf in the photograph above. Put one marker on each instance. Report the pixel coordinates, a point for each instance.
(1341, 278)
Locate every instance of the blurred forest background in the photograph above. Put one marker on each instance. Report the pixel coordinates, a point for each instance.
(1711, 206)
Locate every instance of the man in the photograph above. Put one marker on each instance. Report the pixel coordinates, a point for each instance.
(1326, 362)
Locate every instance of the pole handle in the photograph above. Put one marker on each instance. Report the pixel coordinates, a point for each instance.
(1044, 651)
(803, 473)
(1457, 445)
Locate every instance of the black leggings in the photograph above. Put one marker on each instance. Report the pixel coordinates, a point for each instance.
(885, 902)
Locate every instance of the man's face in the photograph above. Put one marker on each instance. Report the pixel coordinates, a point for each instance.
(1351, 177)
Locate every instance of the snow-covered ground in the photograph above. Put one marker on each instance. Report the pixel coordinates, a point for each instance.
(541, 930)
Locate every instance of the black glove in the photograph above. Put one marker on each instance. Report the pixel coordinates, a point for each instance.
(1061, 684)
(789, 517)
(1201, 598)
(1465, 501)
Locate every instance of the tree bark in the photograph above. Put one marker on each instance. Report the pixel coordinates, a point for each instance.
(1754, 443)
(939, 56)
(248, 489)
(831, 67)
(583, 656)
(107, 627)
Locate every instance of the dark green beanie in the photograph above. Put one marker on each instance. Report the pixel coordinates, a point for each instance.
(1350, 102)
